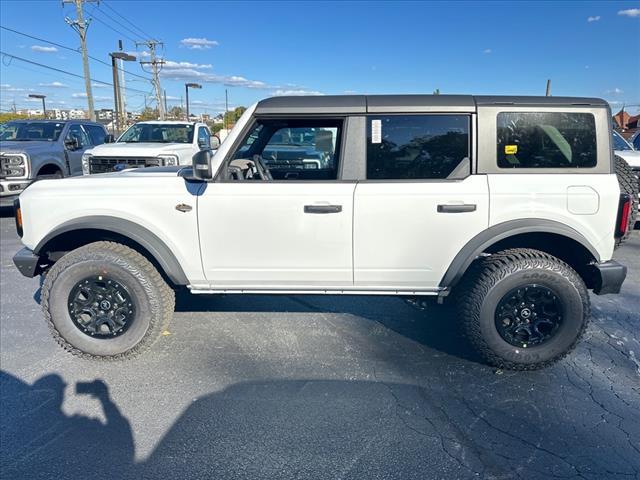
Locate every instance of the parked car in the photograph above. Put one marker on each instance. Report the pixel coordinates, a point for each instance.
(629, 160)
(509, 206)
(42, 149)
(150, 144)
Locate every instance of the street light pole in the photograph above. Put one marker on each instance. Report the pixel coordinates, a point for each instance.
(116, 84)
(44, 107)
(186, 88)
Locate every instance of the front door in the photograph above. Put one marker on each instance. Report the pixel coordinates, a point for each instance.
(74, 156)
(279, 218)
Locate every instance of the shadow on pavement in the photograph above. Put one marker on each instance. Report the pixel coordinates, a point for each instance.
(310, 429)
(6, 212)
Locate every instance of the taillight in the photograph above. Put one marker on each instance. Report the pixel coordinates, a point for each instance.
(624, 210)
(17, 211)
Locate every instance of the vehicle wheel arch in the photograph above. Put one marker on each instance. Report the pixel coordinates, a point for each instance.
(50, 167)
(82, 231)
(544, 235)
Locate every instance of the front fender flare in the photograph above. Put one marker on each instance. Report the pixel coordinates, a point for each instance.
(137, 233)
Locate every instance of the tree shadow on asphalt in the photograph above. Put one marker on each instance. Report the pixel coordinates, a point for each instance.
(317, 429)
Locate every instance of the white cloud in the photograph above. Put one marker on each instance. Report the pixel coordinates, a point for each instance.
(178, 65)
(40, 48)
(295, 93)
(593, 19)
(631, 12)
(5, 87)
(53, 85)
(198, 43)
(79, 95)
(228, 80)
(487, 51)
(615, 91)
(99, 85)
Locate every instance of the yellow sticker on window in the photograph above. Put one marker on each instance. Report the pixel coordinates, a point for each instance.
(511, 149)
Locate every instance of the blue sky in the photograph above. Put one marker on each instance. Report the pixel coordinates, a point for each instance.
(261, 49)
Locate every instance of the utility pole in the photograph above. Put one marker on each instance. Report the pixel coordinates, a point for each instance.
(165, 102)
(121, 56)
(123, 100)
(156, 65)
(80, 26)
(549, 88)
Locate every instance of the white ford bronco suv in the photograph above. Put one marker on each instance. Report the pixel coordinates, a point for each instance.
(509, 206)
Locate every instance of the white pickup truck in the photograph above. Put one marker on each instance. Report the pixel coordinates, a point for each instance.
(150, 144)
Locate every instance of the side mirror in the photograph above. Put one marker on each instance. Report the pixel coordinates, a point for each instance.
(202, 165)
(72, 143)
(214, 142)
(109, 138)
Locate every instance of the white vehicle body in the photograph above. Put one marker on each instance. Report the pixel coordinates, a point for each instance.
(146, 153)
(376, 244)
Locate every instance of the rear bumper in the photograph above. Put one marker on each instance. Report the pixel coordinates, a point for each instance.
(27, 263)
(609, 277)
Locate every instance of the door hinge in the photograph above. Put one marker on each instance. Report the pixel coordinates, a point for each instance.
(183, 207)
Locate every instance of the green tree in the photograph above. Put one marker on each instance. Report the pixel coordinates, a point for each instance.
(232, 116)
(7, 116)
(149, 114)
(177, 113)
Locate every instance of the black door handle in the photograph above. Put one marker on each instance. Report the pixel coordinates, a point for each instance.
(322, 208)
(460, 208)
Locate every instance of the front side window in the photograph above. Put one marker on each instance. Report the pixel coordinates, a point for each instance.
(204, 140)
(620, 143)
(292, 150)
(77, 132)
(158, 133)
(405, 147)
(546, 140)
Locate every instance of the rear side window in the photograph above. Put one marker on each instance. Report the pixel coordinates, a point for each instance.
(416, 146)
(96, 133)
(546, 140)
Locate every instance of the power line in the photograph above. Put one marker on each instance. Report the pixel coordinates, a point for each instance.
(146, 35)
(93, 11)
(102, 12)
(61, 71)
(73, 50)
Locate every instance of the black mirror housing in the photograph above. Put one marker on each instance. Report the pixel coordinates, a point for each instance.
(109, 138)
(202, 165)
(72, 143)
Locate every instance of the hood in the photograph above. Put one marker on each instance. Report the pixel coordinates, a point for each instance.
(29, 147)
(632, 157)
(150, 149)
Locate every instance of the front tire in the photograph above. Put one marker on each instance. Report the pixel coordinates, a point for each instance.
(522, 309)
(106, 301)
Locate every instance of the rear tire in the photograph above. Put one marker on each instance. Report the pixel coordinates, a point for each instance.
(106, 301)
(487, 308)
(628, 184)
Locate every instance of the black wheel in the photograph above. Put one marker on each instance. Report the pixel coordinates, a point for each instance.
(628, 184)
(49, 176)
(522, 309)
(106, 301)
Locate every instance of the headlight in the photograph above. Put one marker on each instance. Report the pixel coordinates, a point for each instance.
(14, 165)
(86, 159)
(168, 160)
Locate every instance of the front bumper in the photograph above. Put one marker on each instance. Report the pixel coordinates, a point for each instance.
(608, 277)
(10, 189)
(28, 263)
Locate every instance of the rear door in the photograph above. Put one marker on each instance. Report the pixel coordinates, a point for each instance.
(419, 204)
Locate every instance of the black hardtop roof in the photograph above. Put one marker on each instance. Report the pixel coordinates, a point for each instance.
(409, 103)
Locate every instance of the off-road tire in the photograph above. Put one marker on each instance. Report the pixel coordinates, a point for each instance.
(489, 278)
(154, 300)
(628, 184)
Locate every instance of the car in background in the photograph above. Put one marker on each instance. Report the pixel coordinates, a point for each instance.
(42, 149)
(634, 140)
(150, 144)
(625, 150)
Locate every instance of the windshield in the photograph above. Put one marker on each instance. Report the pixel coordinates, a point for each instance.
(158, 133)
(620, 143)
(29, 131)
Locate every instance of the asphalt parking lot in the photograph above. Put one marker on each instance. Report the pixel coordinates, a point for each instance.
(315, 388)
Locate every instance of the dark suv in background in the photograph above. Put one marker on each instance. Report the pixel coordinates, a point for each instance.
(36, 149)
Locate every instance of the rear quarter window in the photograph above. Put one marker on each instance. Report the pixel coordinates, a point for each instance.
(546, 140)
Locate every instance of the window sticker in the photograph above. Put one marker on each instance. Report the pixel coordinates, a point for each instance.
(510, 149)
(376, 131)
